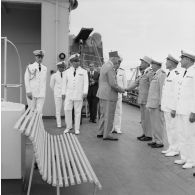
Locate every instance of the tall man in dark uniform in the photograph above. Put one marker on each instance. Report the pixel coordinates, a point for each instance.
(93, 76)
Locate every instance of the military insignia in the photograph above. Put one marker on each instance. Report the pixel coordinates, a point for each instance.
(176, 72)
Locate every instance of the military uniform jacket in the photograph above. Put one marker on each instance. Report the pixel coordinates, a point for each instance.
(185, 92)
(74, 87)
(35, 80)
(143, 86)
(108, 88)
(155, 90)
(121, 79)
(168, 91)
(56, 83)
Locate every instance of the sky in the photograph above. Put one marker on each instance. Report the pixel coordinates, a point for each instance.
(136, 28)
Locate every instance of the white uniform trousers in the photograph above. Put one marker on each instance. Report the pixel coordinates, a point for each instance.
(118, 116)
(186, 136)
(145, 120)
(171, 131)
(36, 103)
(68, 106)
(58, 105)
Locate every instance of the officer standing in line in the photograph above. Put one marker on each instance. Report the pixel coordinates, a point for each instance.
(154, 106)
(122, 82)
(185, 111)
(56, 86)
(35, 81)
(143, 84)
(167, 104)
(74, 90)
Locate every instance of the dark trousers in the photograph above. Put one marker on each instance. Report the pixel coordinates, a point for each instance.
(92, 102)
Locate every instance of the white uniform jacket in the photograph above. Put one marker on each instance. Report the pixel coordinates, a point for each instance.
(35, 81)
(75, 86)
(185, 92)
(167, 100)
(56, 83)
(121, 79)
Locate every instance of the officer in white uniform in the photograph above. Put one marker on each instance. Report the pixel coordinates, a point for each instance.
(167, 104)
(56, 86)
(35, 81)
(122, 82)
(185, 111)
(74, 89)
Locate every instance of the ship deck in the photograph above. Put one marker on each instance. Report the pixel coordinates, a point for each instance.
(125, 167)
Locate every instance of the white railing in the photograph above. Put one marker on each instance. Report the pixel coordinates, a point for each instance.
(4, 83)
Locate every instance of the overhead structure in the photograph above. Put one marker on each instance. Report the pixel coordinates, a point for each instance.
(89, 47)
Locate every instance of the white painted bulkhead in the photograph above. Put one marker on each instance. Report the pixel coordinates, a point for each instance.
(24, 28)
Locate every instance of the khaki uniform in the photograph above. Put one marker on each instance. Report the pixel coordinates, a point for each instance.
(108, 95)
(143, 88)
(154, 103)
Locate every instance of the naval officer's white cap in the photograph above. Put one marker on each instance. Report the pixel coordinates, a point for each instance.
(74, 57)
(156, 62)
(60, 63)
(146, 59)
(170, 57)
(188, 55)
(39, 52)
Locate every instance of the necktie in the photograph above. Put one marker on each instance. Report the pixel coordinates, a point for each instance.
(61, 74)
(74, 72)
(168, 74)
(184, 73)
(39, 67)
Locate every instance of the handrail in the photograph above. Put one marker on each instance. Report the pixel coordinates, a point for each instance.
(5, 85)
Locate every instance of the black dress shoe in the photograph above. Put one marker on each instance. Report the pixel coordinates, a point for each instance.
(114, 132)
(35, 165)
(157, 145)
(194, 174)
(151, 143)
(141, 137)
(111, 138)
(93, 121)
(99, 136)
(146, 139)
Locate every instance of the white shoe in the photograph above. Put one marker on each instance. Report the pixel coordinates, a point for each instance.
(66, 130)
(180, 162)
(77, 132)
(188, 165)
(119, 132)
(166, 151)
(59, 126)
(172, 153)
